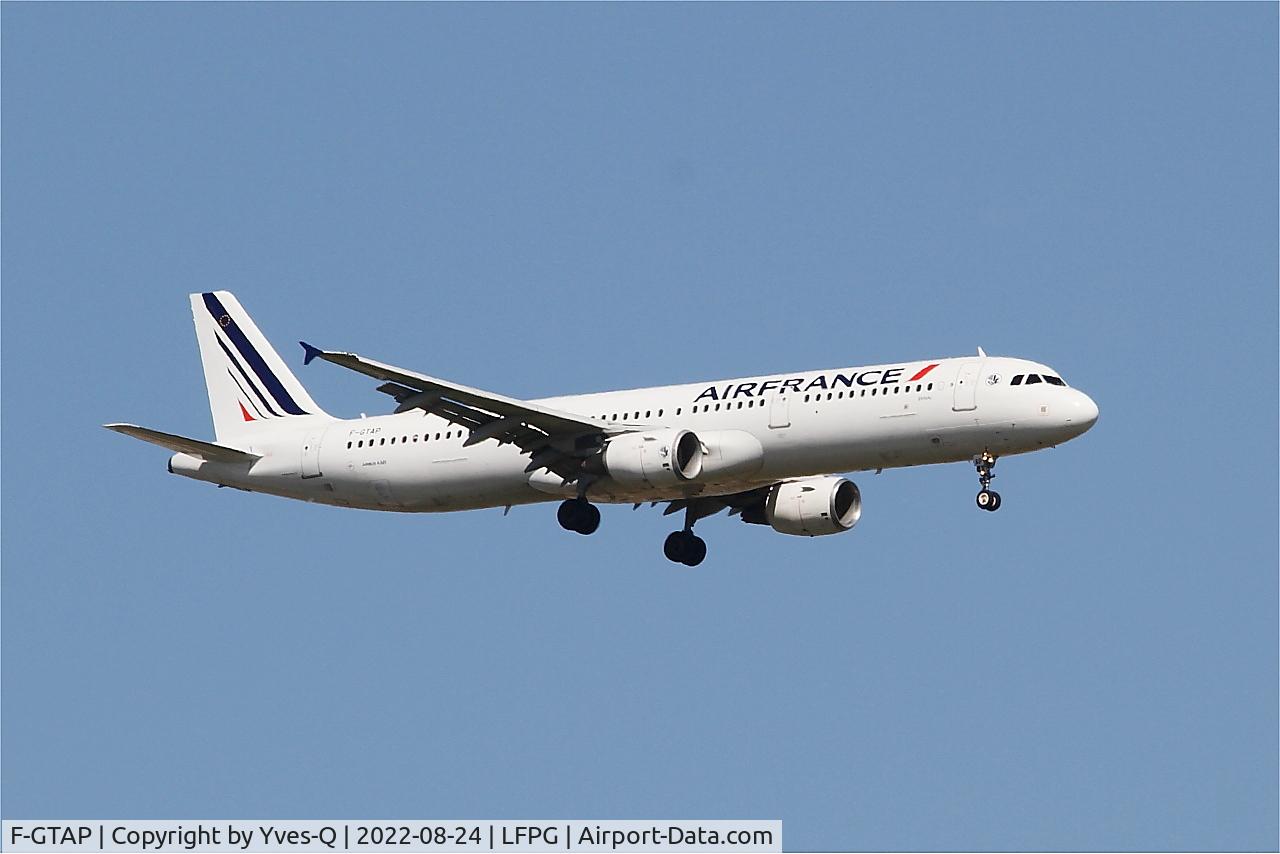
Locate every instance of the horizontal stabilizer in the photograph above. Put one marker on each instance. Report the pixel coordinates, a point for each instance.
(181, 444)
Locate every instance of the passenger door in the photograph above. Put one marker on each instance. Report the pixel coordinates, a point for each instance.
(780, 411)
(966, 387)
(311, 453)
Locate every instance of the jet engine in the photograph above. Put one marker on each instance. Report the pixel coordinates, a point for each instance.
(809, 508)
(656, 458)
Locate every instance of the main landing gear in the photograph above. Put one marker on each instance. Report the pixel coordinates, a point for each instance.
(685, 546)
(580, 515)
(985, 464)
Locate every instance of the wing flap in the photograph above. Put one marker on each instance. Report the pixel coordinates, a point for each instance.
(182, 444)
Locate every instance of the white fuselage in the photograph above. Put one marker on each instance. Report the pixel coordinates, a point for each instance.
(807, 423)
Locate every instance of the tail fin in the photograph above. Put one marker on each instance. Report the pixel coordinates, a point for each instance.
(249, 385)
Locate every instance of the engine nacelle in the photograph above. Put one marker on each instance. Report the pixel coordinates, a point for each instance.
(813, 507)
(657, 458)
(729, 454)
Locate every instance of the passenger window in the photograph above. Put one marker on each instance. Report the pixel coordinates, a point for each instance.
(1032, 379)
(648, 413)
(678, 410)
(1016, 380)
(739, 404)
(717, 407)
(806, 398)
(348, 445)
(930, 388)
(393, 440)
(873, 392)
(437, 437)
(382, 441)
(659, 413)
(897, 389)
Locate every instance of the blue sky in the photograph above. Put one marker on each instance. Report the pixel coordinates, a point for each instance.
(543, 199)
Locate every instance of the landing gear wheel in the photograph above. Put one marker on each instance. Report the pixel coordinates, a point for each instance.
(674, 546)
(579, 515)
(590, 520)
(684, 547)
(697, 551)
(985, 464)
(567, 514)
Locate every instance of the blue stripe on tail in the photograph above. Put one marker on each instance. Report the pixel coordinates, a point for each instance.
(250, 354)
(236, 362)
(247, 396)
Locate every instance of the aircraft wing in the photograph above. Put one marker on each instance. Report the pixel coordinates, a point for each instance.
(528, 426)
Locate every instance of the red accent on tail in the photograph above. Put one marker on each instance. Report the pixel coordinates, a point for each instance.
(923, 372)
(245, 413)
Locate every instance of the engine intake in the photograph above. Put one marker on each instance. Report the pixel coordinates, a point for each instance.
(656, 458)
(812, 507)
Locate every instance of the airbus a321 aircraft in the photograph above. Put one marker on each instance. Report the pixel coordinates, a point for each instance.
(765, 448)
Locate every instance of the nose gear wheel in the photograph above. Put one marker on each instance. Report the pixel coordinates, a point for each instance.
(987, 499)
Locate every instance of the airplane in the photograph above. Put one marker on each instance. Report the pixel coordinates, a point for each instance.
(769, 449)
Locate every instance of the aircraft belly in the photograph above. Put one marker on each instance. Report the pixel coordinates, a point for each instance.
(461, 479)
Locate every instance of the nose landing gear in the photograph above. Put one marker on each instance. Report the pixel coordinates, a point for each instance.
(985, 464)
(579, 515)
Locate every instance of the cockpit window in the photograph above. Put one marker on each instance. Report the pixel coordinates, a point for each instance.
(1032, 379)
(1052, 380)
(1016, 380)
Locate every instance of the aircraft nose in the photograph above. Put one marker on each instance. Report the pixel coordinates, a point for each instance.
(1084, 412)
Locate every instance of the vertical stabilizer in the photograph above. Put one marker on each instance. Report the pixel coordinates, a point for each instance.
(249, 385)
